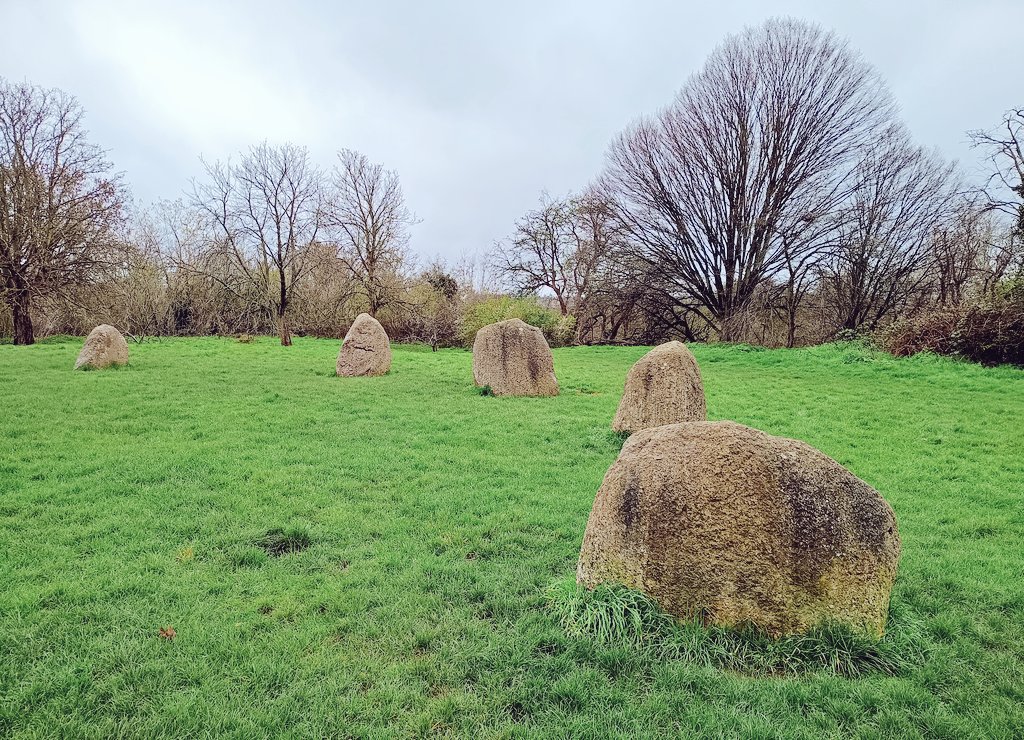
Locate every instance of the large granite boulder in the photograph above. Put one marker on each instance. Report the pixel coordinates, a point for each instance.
(365, 350)
(720, 522)
(663, 387)
(513, 358)
(105, 346)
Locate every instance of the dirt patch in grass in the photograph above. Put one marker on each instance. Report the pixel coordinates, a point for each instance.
(279, 541)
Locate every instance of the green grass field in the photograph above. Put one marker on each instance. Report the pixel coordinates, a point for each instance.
(428, 525)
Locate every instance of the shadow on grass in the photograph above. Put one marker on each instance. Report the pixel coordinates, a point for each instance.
(121, 367)
(615, 616)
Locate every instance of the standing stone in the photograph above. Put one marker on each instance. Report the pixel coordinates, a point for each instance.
(514, 359)
(105, 346)
(365, 350)
(720, 522)
(663, 387)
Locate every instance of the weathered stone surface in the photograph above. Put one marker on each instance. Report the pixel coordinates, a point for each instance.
(721, 522)
(105, 346)
(514, 359)
(663, 387)
(365, 350)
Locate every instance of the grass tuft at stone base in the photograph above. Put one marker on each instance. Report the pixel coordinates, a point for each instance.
(617, 616)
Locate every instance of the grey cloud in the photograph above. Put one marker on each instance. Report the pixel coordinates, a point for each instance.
(479, 106)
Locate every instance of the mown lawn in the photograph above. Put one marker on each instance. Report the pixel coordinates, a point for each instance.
(437, 520)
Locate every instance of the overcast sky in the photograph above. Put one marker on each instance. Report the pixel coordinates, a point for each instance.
(479, 106)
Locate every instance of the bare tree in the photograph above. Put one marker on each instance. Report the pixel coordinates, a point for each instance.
(562, 247)
(754, 151)
(267, 211)
(540, 253)
(60, 204)
(595, 275)
(327, 297)
(960, 250)
(369, 223)
(1004, 189)
(801, 256)
(901, 197)
(135, 288)
(1004, 149)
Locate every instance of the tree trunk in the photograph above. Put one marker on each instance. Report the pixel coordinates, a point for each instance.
(22, 309)
(791, 315)
(282, 309)
(285, 330)
(727, 328)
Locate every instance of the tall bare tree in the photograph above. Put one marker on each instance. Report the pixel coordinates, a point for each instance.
(369, 223)
(60, 203)
(266, 211)
(754, 151)
(902, 196)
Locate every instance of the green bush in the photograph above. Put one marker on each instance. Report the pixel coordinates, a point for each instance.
(558, 329)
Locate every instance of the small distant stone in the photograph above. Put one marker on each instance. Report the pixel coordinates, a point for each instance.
(366, 349)
(105, 346)
(663, 387)
(513, 358)
(729, 525)
(245, 338)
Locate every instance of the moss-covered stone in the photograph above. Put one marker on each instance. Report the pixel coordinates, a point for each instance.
(721, 522)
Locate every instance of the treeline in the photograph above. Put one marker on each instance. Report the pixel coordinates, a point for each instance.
(778, 200)
(268, 243)
(265, 243)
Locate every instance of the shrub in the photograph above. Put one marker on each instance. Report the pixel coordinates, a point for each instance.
(991, 333)
(499, 308)
(565, 331)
